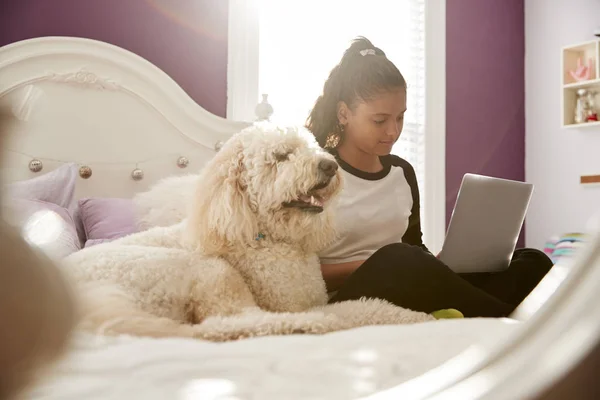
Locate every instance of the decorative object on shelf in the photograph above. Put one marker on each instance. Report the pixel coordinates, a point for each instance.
(580, 64)
(592, 112)
(137, 174)
(584, 108)
(582, 72)
(218, 145)
(264, 110)
(85, 172)
(35, 165)
(182, 162)
(581, 106)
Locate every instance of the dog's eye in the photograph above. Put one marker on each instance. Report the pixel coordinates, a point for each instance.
(279, 157)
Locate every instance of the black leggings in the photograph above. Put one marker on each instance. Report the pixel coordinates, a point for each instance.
(412, 278)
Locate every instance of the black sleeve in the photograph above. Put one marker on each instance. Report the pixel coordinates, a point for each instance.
(413, 234)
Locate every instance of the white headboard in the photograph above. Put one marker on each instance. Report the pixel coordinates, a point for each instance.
(102, 107)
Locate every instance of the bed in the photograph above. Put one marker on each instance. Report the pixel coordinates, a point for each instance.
(97, 124)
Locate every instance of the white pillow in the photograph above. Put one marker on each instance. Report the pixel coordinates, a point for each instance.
(44, 225)
(56, 186)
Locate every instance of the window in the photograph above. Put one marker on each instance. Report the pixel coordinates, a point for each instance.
(293, 45)
(295, 56)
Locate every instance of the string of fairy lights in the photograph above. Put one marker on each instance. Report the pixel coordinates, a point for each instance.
(36, 164)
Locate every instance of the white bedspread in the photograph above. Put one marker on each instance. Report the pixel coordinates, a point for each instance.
(341, 365)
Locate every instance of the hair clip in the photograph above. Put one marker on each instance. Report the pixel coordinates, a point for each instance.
(365, 52)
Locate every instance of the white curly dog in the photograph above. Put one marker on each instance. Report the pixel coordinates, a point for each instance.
(243, 262)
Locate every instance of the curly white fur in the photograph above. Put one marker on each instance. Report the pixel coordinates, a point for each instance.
(243, 263)
(166, 203)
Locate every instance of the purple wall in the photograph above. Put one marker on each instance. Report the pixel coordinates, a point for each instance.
(185, 38)
(485, 91)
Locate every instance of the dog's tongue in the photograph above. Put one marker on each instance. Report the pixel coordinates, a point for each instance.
(312, 200)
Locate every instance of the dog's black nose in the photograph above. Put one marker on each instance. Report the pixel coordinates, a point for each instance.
(329, 167)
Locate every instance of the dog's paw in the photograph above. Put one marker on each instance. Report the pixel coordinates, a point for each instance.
(256, 324)
(365, 312)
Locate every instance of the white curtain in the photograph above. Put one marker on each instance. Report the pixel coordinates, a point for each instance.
(301, 41)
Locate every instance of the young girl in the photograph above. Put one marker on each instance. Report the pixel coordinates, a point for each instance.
(380, 252)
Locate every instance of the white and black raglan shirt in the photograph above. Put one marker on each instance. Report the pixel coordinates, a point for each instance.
(374, 210)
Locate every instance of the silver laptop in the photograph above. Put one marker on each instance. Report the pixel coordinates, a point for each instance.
(485, 224)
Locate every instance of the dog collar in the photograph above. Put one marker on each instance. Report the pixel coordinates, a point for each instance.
(259, 236)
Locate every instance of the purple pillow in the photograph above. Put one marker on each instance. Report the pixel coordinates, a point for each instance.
(44, 225)
(56, 187)
(106, 218)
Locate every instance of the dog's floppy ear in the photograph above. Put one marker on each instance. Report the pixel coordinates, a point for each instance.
(220, 213)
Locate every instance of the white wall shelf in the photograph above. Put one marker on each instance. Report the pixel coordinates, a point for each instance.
(588, 55)
(582, 125)
(583, 84)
